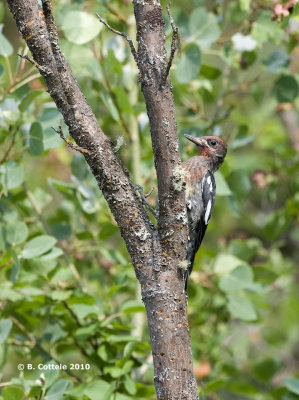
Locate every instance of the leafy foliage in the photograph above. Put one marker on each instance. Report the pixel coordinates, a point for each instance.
(68, 291)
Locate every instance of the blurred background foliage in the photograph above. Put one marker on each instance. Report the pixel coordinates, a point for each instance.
(68, 294)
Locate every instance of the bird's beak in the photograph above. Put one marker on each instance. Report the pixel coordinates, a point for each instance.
(196, 140)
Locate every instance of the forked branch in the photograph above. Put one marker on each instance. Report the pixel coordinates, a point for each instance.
(123, 34)
(175, 43)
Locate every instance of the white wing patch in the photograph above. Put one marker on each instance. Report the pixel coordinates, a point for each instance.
(208, 196)
(208, 212)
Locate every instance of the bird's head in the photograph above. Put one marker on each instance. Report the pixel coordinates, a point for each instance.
(212, 147)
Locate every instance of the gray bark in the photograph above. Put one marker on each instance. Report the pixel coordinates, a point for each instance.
(157, 254)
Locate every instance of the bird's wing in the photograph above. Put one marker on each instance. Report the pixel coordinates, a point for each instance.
(208, 191)
(208, 197)
(208, 200)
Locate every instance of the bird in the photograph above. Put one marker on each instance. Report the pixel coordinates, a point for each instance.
(201, 190)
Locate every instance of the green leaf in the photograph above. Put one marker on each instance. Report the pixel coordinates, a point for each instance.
(79, 57)
(286, 89)
(204, 28)
(222, 187)
(12, 392)
(9, 111)
(266, 369)
(239, 183)
(276, 60)
(83, 310)
(242, 388)
(28, 99)
(241, 142)
(245, 5)
(240, 307)
(99, 387)
(106, 230)
(122, 338)
(215, 385)
(14, 273)
(57, 391)
(36, 141)
(277, 224)
(290, 396)
(189, 64)
(209, 72)
(123, 100)
(79, 167)
(105, 352)
(120, 396)
(264, 31)
(132, 306)
(55, 252)
(41, 267)
(226, 262)
(109, 104)
(80, 27)
(50, 375)
(115, 372)
(61, 230)
(16, 232)
(58, 295)
(53, 333)
(86, 331)
(238, 279)
(129, 348)
(130, 385)
(128, 366)
(38, 246)
(63, 187)
(2, 11)
(13, 175)
(6, 48)
(292, 384)
(5, 327)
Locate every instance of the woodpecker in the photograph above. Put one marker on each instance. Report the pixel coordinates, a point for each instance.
(201, 190)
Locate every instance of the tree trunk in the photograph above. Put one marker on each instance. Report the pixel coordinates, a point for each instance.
(157, 254)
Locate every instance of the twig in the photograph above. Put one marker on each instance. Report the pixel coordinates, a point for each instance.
(22, 83)
(11, 145)
(123, 34)
(175, 42)
(114, 99)
(74, 316)
(37, 66)
(9, 70)
(68, 142)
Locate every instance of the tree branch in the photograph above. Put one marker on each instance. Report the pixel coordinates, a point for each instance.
(157, 255)
(164, 297)
(152, 63)
(174, 42)
(123, 34)
(39, 31)
(68, 142)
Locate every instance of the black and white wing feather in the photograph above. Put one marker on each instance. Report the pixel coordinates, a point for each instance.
(199, 217)
(208, 197)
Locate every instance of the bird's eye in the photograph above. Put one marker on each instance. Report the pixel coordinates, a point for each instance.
(213, 142)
